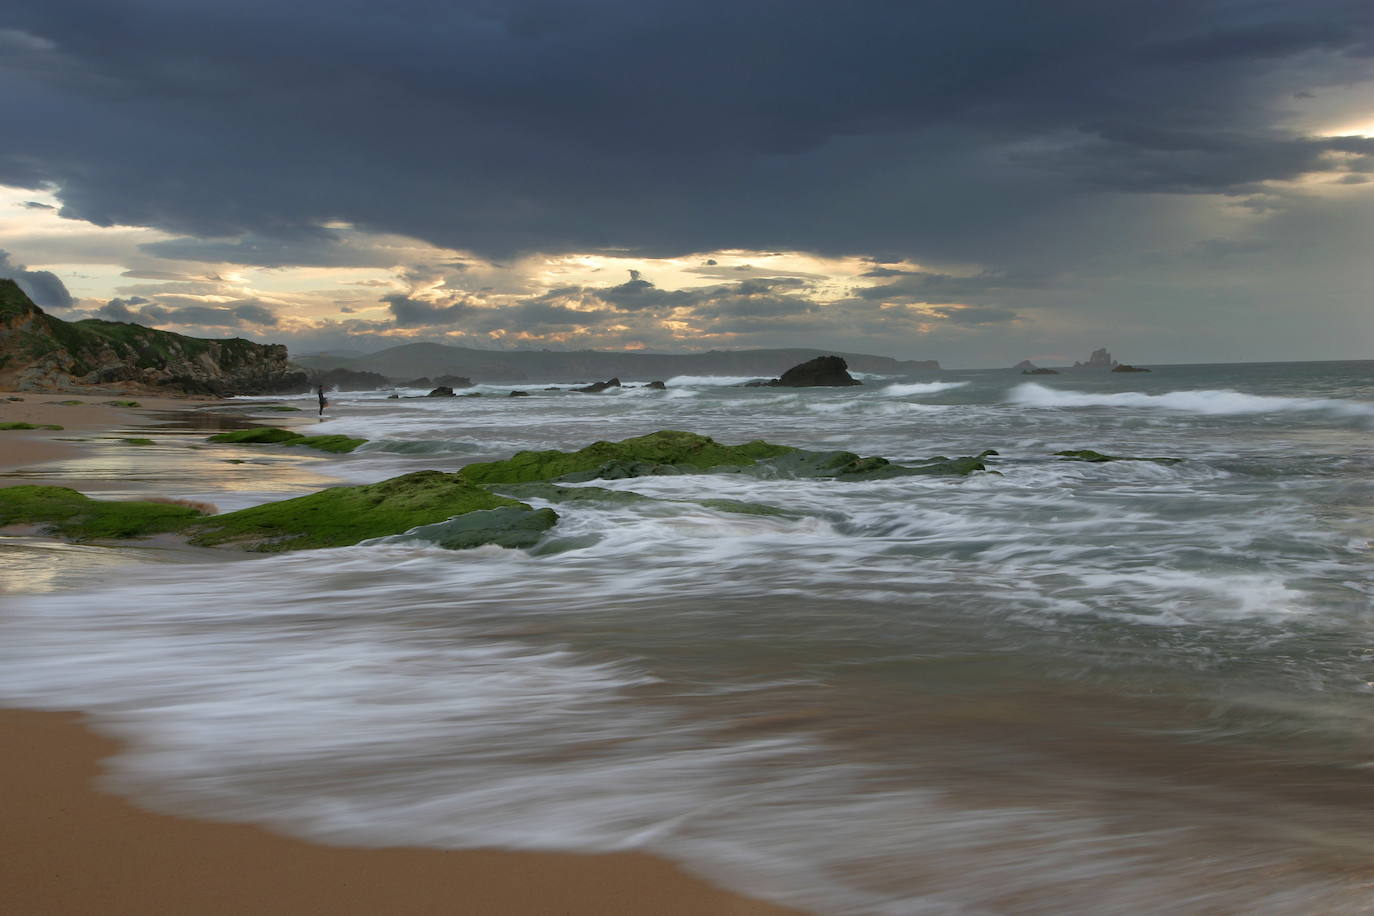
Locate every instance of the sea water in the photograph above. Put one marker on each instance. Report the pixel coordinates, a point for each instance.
(1062, 687)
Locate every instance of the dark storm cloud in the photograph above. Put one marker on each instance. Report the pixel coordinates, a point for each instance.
(36, 205)
(244, 313)
(923, 286)
(974, 315)
(418, 313)
(955, 129)
(42, 286)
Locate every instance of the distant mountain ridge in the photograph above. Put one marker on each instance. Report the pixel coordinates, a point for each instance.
(41, 353)
(410, 360)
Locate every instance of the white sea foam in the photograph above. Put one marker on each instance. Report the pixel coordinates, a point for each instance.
(1219, 402)
(709, 381)
(899, 390)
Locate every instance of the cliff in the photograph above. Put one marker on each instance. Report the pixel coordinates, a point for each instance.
(41, 353)
(431, 359)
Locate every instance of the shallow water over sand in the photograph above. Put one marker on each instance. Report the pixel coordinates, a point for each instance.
(1061, 688)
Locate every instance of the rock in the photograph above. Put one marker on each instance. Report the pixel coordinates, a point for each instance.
(676, 452)
(553, 388)
(519, 394)
(453, 381)
(1100, 359)
(443, 391)
(348, 380)
(1040, 372)
(268, 435)
(9, 424)
(41, 353)
(1087, 454)
(598, 387)
(340, 516)
(656, 386)
(1122, 367)
(1024, 364)
(393, 397)
(821, 372)
(508, 526)
(67, 513)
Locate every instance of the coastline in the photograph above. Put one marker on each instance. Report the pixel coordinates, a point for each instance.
(68, 848)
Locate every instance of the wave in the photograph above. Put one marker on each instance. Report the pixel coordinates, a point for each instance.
(1209, 402)
(710, 381)
(898, 390)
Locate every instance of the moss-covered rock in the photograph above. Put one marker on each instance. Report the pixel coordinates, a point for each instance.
(137, 441)
(669, 447)
(270, 435)
(65, 512)
(1087, 454)
(16, 425)
(675, 452)
(555, 494)
(341, 516)
(280, 408)
(123, 404)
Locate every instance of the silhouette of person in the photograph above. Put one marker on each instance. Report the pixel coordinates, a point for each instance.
(324, 402)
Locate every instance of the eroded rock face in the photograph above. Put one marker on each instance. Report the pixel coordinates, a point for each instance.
(821, 372)
(443, 391)
(41, 353)
(1101, 358)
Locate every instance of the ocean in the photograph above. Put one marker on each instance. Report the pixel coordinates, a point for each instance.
(1062, 687)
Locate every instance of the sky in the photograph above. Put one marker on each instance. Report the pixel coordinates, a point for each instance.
(978, 182)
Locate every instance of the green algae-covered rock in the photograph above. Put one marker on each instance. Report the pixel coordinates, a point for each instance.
(17, 425)
(556, 494)
(279, 408)
(66, 512)
(508, 526)
(270, 435)
(341, 516)
(1087, 454)
(669, 447)
(137, 441)
(256, 436)
(123, 403)
(674, 452)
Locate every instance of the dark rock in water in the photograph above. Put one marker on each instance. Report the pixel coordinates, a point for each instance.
(473, 394)
(553, 388)
(1087, 454)
(656, 386)
(598, 387)
(1122, 367)
(508, 526)
(1024, 364)
(1040, 372)
(1100, 359)
(421, 382)
(349, 380)
(519, 394)
(393, 397)
(269, 435)
(821, 372)
(453, 381)
(443, 391)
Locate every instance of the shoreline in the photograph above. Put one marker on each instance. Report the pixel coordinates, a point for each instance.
(69, 848)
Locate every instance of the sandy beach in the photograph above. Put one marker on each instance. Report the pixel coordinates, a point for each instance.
(67, 847)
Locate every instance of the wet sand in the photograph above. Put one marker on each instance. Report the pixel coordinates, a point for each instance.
(68, 848)
(94, 414)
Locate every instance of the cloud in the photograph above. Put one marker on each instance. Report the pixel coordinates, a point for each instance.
(417, 313)
(957, 117)
(241, 314)
(42, 286)
(36, 205)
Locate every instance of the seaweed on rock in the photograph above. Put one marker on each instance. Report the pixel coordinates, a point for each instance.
(341, 516)
(65, 512)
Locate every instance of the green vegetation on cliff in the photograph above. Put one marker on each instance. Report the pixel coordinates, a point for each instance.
(341, 516)
(66, 512)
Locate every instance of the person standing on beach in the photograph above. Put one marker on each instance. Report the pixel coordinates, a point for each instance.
(324, 402)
